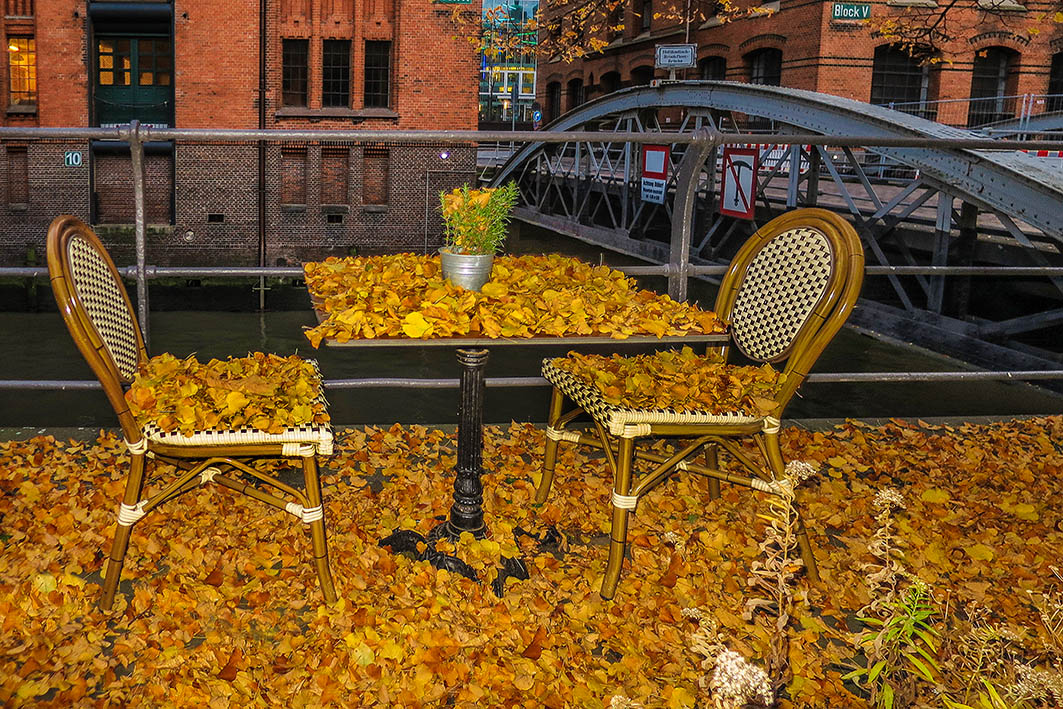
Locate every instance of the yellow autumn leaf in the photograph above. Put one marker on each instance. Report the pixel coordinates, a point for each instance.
(935, 495)
(415, 326)
(979, 552)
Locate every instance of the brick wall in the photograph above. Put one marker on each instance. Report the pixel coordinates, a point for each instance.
(216, 85)
(820, 54)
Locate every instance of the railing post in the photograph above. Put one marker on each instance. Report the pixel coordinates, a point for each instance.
(136, 150)
(686, 188)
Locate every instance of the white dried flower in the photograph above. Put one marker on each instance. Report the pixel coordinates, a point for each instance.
(800, 470)
(621, 702)
(736, 683)
(694, 613)
(888, 499)
(675, 540)
(1035, 683)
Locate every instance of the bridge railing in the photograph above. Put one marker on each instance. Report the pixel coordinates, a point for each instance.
(679, 269)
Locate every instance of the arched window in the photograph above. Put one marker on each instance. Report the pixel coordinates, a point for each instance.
(610, 82)
(765, 66)
(1055, 83)
(898, 81)
(713, 68)
(641, 75)
(553, 100)
(574, 93)
(993, 84)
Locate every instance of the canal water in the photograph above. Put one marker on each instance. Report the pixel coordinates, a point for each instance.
(37, 346)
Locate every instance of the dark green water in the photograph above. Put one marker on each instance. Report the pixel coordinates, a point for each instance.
(37, 346)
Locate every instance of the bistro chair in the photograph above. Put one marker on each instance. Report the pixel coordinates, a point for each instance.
(786, 293)
(97, 311)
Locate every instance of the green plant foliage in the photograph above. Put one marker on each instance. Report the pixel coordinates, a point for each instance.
(474, 221)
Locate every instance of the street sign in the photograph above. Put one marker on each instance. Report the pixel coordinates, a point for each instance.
(850, 11)
(72, 158)
(738, 182)
(676, 56)
(655, 173)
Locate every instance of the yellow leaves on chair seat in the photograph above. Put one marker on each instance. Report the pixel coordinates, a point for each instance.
(264, 391)
(677, 380)
(405, 295)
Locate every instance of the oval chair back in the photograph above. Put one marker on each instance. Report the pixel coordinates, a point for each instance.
(97, 311)
(789, 289)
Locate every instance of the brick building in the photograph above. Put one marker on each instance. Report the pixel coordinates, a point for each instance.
(286, 64)
(801, 44)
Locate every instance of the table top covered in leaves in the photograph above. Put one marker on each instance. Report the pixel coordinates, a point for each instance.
(406, 296)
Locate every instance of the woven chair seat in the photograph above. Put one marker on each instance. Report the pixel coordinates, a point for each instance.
(318, 435)
(616, 419)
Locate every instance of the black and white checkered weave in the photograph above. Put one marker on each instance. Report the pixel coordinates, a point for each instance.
(101, 295)
(587, 397)
(783, 284)
(318, 435)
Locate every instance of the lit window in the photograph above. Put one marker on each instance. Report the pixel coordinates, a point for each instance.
(22, 67)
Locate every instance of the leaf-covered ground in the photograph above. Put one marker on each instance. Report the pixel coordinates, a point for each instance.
(220, 605)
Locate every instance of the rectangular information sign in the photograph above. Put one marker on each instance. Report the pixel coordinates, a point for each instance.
(738, 182)
(676, 56)
(850, 11)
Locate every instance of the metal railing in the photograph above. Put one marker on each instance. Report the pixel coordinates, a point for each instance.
(979, 113)
(678, 271)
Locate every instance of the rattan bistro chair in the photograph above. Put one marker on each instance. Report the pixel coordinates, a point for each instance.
(99, 315)
(785, 295)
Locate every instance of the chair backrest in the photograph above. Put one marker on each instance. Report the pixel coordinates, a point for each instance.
(790, 288)
(96, 309)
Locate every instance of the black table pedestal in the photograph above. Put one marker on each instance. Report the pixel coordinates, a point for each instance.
(466, 513)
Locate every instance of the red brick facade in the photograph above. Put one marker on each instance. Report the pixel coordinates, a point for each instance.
(202, 201)
(818, 53)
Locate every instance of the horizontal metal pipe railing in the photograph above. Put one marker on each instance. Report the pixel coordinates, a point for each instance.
(515, 382)
(155, 272)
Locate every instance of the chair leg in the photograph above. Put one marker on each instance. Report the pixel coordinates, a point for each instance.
(618, 529)
(317, 529)
(133, 486)
(550, 454)
(775, 460)
(712, 460)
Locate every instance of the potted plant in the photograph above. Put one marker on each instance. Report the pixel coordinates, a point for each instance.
(474, 227)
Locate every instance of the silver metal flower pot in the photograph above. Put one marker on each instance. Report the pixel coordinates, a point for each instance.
(470, 271)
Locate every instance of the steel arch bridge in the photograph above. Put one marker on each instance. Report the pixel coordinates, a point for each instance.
(922, 206)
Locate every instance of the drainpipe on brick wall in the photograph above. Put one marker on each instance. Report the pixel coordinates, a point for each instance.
(261, 151)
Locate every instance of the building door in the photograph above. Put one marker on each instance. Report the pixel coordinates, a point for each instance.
(134, 80)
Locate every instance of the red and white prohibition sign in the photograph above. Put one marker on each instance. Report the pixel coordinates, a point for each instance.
(738, 183)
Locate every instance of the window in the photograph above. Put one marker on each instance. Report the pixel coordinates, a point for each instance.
(294, 64)
(574, 93)
(336, 73)
(610, 82)
(18, 176)
(713, 68)
(375, 175)
(114, 62)
(641, 75)
(377, 74)
(334, 175)
(553, 100)
(899, 82)
(134, 80)
(293, 176)
(1055, 83)
(994, 72)
(765, 67)
(22, 71)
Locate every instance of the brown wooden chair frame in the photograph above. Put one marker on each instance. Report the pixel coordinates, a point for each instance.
(708, 436)
(197, 464)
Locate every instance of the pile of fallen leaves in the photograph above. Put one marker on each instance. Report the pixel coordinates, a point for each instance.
(219, 603)
(677, 380)
(405, 295)
(264, 391)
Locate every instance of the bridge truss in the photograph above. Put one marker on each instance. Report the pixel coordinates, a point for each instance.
(923, 207)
